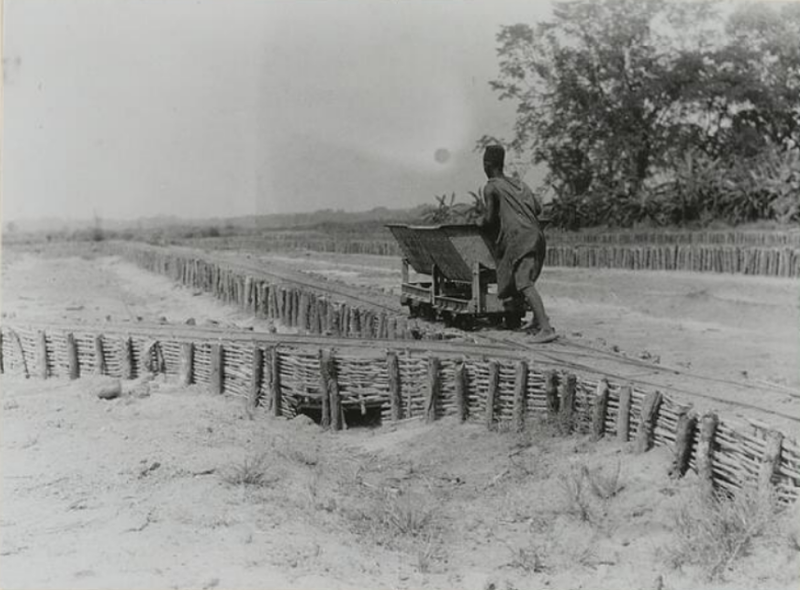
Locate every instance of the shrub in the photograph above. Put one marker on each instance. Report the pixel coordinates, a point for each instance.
(715, 529)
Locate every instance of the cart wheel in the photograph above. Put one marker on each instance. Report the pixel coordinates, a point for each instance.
(413, 310)
(465, 322)
(513, 320)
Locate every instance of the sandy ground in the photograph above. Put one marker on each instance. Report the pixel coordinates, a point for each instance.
(172, 487)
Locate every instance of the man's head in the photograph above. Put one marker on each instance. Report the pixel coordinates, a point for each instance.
(493, 160)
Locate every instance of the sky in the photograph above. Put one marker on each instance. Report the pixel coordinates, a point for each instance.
(223, 108)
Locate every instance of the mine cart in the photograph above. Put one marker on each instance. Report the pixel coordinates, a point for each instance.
(458, 281)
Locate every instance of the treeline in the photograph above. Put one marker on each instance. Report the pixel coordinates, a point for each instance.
(658, 113)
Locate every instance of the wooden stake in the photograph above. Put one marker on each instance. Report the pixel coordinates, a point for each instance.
(520, 395)
(433, 389)
(770, 460)
(2, 366)
(647, 421)
(491, 392)
(551, 392)
(256, 377)
(276, 392)
(99, 356)
(216, 383)
(684, 437)
(185, 368)
(599, 411)
(393, 369)
(566, 410)
(126, 358)
(354, 321)
(331, 388)
(43, 370)
(705, 448)
(72, 357)
(462, 404)
(624, 413)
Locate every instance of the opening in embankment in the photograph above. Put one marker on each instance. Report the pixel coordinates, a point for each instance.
(354, 417)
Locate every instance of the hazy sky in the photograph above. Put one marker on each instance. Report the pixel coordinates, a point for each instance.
(234, 107)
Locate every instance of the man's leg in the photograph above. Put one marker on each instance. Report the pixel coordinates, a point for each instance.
(546, 332)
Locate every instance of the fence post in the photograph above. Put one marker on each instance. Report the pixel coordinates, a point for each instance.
(256, 377)
(684, 437)
(647, 421)
(520, 395)
(566, 410)
(705, 446)
(216, 368)
(332, 388)
(769, 461)
(433, 388)
(393, 369)
(460, 376)
(185, 374)
(42, 345)
(99, 356)
(72, 357)
(275, 381)
(551, 392)
(624, 413)
(126, 358)
(599, 410)
(491, 392)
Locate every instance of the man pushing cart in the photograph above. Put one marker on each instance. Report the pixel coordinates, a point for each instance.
(512, 226)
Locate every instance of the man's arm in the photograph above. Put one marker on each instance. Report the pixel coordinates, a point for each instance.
(491, 213)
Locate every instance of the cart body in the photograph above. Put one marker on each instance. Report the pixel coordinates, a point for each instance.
(459, 281)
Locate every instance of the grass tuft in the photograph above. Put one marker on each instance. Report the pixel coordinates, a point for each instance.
(714, 530)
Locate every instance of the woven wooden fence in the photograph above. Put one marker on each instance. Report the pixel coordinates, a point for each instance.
(292, 305)
(764, 261)
(404, 383)
(774, 254)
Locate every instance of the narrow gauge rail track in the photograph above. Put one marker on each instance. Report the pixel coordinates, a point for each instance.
(498, 343)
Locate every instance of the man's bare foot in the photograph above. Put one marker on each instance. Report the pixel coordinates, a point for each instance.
(544, 336)
(532, 327)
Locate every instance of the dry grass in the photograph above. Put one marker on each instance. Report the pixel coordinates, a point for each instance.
(713, 531)
(587, 491)
(252, 471)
